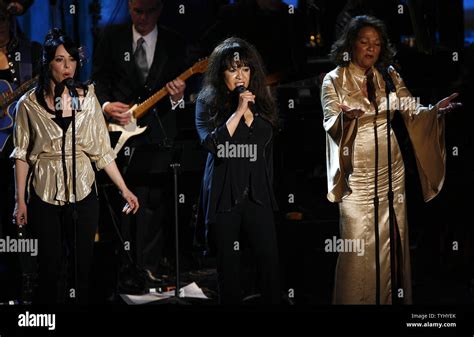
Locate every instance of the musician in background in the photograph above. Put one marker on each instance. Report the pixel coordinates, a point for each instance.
(18, 59)
(131, 62)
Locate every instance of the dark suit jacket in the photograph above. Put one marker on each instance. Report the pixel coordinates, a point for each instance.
(116, 77)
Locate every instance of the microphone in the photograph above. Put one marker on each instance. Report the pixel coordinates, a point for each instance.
(72, 86)
(240, 89)
(70, 83)
(387, 78)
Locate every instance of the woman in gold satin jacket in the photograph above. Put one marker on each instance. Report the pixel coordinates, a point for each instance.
(50, 126)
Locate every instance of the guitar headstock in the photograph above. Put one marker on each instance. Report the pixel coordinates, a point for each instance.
(200, 66)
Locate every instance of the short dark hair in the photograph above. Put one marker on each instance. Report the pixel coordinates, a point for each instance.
(345, 44)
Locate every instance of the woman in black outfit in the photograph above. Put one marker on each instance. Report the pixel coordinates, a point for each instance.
(236, 118)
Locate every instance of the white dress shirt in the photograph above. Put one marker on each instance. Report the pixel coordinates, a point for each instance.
(150, 45)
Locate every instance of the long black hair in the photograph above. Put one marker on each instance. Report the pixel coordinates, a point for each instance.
(341, 50)
(52, 41)
(215, 92)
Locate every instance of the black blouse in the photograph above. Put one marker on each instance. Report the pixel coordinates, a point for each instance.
(237, 166)
(246, 168)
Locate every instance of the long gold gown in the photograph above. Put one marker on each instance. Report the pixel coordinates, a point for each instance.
(351, 163)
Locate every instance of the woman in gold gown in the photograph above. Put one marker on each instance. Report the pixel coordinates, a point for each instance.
(354, 103)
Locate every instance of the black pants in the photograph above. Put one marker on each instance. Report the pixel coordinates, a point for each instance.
(54, 229)
(150, 226)
(256, 223)
(147, 230)
(148, 176)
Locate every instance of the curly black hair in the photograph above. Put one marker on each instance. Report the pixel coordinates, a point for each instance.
(344, 46)
(215, 92)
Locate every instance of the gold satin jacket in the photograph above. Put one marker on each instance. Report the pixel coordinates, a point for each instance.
(37, 140)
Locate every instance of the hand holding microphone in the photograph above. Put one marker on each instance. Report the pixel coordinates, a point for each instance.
(246, 99)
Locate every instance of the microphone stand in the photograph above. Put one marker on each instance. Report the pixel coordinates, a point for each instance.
(75, 106)
(178, 298)
(60, 120)
(376, 214)
(372, 99)
(175, 167)
(395, 270)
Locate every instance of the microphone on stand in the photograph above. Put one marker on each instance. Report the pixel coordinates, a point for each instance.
(72, 86)
(387, 79)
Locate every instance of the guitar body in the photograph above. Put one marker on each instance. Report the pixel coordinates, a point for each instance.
(7, 114)
(139, 110)
(127, 131)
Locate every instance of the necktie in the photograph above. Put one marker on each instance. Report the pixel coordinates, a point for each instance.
(140, 60)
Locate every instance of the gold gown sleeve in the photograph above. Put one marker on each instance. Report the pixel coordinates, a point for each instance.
(426, 129)
(340, 135)
(99, 151)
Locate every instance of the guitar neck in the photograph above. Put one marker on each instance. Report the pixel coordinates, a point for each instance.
(10, 97)
(143, 107)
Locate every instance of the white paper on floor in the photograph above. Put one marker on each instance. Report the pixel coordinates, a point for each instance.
(191, 290)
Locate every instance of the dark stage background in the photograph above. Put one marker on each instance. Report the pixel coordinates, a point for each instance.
(435, 43)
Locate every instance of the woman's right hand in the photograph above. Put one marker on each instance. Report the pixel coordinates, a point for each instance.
(132, 204)
(351, 113)
(20, 214)
(244, 99)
